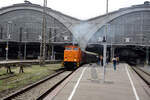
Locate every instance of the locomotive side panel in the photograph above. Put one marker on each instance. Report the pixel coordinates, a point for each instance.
(72, 56)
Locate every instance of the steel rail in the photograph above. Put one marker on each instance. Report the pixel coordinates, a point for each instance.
(41, 97)
(142, 74)
(21, 91)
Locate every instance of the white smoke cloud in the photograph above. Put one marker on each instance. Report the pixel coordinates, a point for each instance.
(80, 33)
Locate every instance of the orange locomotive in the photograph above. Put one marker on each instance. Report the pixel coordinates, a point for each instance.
(74, 57)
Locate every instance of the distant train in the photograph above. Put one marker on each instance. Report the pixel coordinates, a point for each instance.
(74, 57)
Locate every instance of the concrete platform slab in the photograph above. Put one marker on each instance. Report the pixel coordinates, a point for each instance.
(87, 84)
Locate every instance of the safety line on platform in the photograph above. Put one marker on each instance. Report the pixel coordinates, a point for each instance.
(133, 87)
(75, 87)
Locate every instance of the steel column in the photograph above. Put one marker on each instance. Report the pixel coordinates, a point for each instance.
(147, 55)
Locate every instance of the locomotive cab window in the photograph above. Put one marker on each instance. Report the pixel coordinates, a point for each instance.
(68, 48)
(75, 48)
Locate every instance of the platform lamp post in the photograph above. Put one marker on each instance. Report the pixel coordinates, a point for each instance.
(8, 37)
(105, 44)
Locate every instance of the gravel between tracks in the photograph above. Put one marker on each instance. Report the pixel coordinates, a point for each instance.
(35, 92)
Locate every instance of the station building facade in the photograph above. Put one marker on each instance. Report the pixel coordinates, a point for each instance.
(21, 25)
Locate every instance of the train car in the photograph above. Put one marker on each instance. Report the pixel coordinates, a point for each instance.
(74, 57)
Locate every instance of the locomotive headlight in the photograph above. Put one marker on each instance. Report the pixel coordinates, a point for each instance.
(65, 59)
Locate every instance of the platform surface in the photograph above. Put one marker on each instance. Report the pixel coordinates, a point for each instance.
(87, 84)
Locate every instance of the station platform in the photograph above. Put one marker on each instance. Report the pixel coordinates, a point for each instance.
(87, 83)
(25, 61)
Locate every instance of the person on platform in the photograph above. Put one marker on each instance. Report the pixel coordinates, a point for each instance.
(101, 60)
(114, 61)
(117, 58)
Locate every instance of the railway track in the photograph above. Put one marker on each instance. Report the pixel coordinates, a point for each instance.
(39, 90)
(6, 77)
(143, 74)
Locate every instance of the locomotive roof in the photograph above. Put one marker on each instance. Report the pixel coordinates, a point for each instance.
(72, 46)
